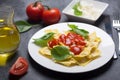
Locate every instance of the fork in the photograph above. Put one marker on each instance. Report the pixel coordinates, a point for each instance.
(116, 25)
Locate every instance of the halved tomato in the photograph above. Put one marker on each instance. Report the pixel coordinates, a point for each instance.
(20, 67)
(52, 43)
(75, 49)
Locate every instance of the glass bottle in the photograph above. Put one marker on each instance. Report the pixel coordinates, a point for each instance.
(9, 35)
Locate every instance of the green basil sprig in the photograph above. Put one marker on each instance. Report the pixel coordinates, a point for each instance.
(23, 25)
(75, 29)
(77, 12)
(42, 41)
(60, 53)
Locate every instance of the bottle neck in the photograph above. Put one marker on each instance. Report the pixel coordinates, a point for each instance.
(6, 16)
(10, 19)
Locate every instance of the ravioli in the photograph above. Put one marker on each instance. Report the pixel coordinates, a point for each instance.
(89, 53)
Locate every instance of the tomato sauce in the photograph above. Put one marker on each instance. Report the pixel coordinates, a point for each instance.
(74, 41)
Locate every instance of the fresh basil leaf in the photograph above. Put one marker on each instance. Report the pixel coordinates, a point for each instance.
(23, 26)
(42, 41)
(47, 36)
(72, 26)
(77, 12)
(78, 31)
(60, 53)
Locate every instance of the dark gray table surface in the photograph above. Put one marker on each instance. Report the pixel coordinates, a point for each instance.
(110, 71)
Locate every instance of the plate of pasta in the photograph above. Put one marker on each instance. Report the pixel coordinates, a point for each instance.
(71, 47)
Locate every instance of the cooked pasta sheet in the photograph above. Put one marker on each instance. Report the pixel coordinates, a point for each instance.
(89, 53)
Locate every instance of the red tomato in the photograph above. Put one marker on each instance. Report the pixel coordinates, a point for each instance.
(80, 37)
(51, 16)
(62, 38)
(19, 67)
(52, 43)
(34, 11)
(71, 35)
(79, 41)
(75, 49)
(68, 41)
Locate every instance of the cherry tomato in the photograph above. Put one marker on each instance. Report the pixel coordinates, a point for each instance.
(71, 35)
(68, 41)
(52, 43)
(20, 67)
(79, 41)
(75, 49)
(62, 38)
(34, 11)
(51, 16)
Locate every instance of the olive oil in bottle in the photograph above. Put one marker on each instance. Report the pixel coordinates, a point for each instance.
(9, 39)
(9, 42)
(9, 35)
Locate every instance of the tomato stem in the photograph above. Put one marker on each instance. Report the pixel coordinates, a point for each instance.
(35, 4)
(47, 7)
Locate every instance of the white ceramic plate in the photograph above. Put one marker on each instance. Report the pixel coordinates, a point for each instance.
(107, 48)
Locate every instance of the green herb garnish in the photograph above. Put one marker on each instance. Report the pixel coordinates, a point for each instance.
(23, 26)
(42, 41)
(60, 53)
(77, 12)
(78, 31)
